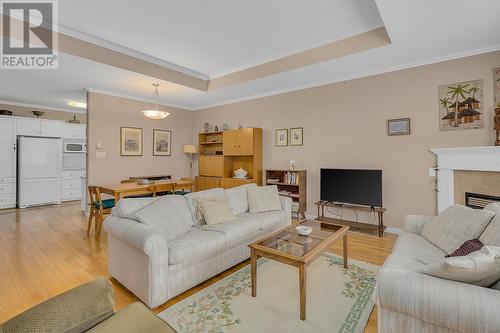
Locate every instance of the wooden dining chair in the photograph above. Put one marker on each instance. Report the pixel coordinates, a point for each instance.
(163, 189)
(98, 208)
(182, 189)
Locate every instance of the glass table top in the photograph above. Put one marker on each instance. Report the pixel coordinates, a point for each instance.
(290, 242)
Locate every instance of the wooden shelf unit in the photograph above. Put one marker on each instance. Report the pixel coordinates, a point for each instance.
(221, 153)
(359, 225)
(298, 188)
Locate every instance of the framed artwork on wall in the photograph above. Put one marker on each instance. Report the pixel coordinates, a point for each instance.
(496, 84)
(461, 105)
(296, 136)
(399, 126)
(162, 142)
(282, 137)
(130, 141)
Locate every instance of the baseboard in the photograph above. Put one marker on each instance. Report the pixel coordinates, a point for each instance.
(390, 230)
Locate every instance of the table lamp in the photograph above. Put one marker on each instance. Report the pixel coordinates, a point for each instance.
(190, 149)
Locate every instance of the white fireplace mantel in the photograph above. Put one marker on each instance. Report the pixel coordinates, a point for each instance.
(468, 158)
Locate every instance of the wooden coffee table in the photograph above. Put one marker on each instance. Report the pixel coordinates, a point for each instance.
(288, 247)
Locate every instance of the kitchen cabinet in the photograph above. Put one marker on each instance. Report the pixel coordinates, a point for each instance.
(8, 161)
(74, 131)
(39, 127)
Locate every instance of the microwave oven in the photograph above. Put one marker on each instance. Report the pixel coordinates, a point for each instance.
(74, 147)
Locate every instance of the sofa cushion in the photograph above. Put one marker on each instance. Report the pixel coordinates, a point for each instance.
(493, 207)
(455, 225)
(401, 262)
(195, 246)
(192, 201)
(491, 235)
(238, 199)
(417, 248)
(164, 216)
(263, 199)
(481, 268)
(126, 207)
(269, 221)
(237, 227)
(214, 210)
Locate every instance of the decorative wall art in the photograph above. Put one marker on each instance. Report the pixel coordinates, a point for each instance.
(130, 141)
(296, 136)
(162, 143)
(496, 84)
(399, 126)
(282, 137)
(461, 105)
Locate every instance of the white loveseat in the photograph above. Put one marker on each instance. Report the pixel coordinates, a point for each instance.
(409, 301)
(155, 270)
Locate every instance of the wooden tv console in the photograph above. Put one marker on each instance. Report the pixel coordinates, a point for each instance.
(363, 226)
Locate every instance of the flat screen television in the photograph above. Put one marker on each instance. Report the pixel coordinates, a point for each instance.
(351, 186)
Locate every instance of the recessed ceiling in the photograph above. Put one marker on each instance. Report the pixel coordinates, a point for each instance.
(218, 37)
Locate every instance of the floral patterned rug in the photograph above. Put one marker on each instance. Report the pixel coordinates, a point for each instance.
(338, 300)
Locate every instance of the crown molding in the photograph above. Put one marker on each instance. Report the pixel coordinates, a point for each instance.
(75, 33)
(429, 61)
(138, 99)
(42, 107)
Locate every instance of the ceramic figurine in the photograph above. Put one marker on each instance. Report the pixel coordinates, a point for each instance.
(216, 129)
(207, 127)
(225, 127)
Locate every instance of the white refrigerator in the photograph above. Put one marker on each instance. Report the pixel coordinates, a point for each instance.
(39, 171)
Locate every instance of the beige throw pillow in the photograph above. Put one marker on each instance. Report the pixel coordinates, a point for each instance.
(455, 225)
(481, 268)
(263, 199)
(214, 210)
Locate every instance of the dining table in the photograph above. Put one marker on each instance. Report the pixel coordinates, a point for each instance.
(121, 190)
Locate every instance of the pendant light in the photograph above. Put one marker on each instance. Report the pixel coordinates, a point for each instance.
(155, 114)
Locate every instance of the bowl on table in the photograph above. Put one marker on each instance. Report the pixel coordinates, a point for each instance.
(303, 230)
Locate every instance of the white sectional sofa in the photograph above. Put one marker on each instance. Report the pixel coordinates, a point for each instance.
(410, 301)
(155, 270)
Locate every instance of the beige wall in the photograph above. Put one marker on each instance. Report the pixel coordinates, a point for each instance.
(105, 116)
(345, 127)
(20, 111)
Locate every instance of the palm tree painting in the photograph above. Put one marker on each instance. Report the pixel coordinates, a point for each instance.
(496, 81)
(461, 105)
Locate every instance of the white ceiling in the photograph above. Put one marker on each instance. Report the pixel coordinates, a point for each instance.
(217, 37)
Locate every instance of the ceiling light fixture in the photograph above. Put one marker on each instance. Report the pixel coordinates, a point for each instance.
(155, 114)
(77, 104)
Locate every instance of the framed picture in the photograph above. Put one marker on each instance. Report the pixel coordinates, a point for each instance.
(296, 136)
(162, 143)
(461, 105)
(496, 84)
(282, 137)
(130, 141)
(398, 126)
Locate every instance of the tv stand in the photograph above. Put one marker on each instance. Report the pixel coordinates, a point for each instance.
(363, 226)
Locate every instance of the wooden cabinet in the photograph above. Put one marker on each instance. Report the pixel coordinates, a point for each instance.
(206, 183)
(239, 142)
(7, 162)
(211, 166)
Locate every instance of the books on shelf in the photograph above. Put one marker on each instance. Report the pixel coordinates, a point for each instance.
(291, 178)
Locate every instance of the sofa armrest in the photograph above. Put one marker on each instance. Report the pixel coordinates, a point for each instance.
(135, 234)
(76, 310)
(415, 223)
(458, 306)
(286, 203)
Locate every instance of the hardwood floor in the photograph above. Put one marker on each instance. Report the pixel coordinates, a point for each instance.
(44, 252)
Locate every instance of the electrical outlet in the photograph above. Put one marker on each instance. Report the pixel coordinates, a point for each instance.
(100, 154)
(432, 172)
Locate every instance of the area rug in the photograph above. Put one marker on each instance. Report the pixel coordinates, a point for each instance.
(338, 300)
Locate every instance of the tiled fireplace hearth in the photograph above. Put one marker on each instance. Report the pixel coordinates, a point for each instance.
(462, 159)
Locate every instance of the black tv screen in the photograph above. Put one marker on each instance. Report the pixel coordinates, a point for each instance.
(351, 186)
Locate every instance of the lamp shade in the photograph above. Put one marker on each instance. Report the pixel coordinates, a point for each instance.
(190, 149)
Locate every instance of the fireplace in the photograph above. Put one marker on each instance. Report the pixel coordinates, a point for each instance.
(479, 201)
(473, 162)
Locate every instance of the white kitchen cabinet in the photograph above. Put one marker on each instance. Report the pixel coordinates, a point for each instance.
(7, 162)
(74, 131)
(39, 127)
(72, 185)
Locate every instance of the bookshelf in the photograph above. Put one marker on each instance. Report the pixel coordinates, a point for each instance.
(291, 183)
